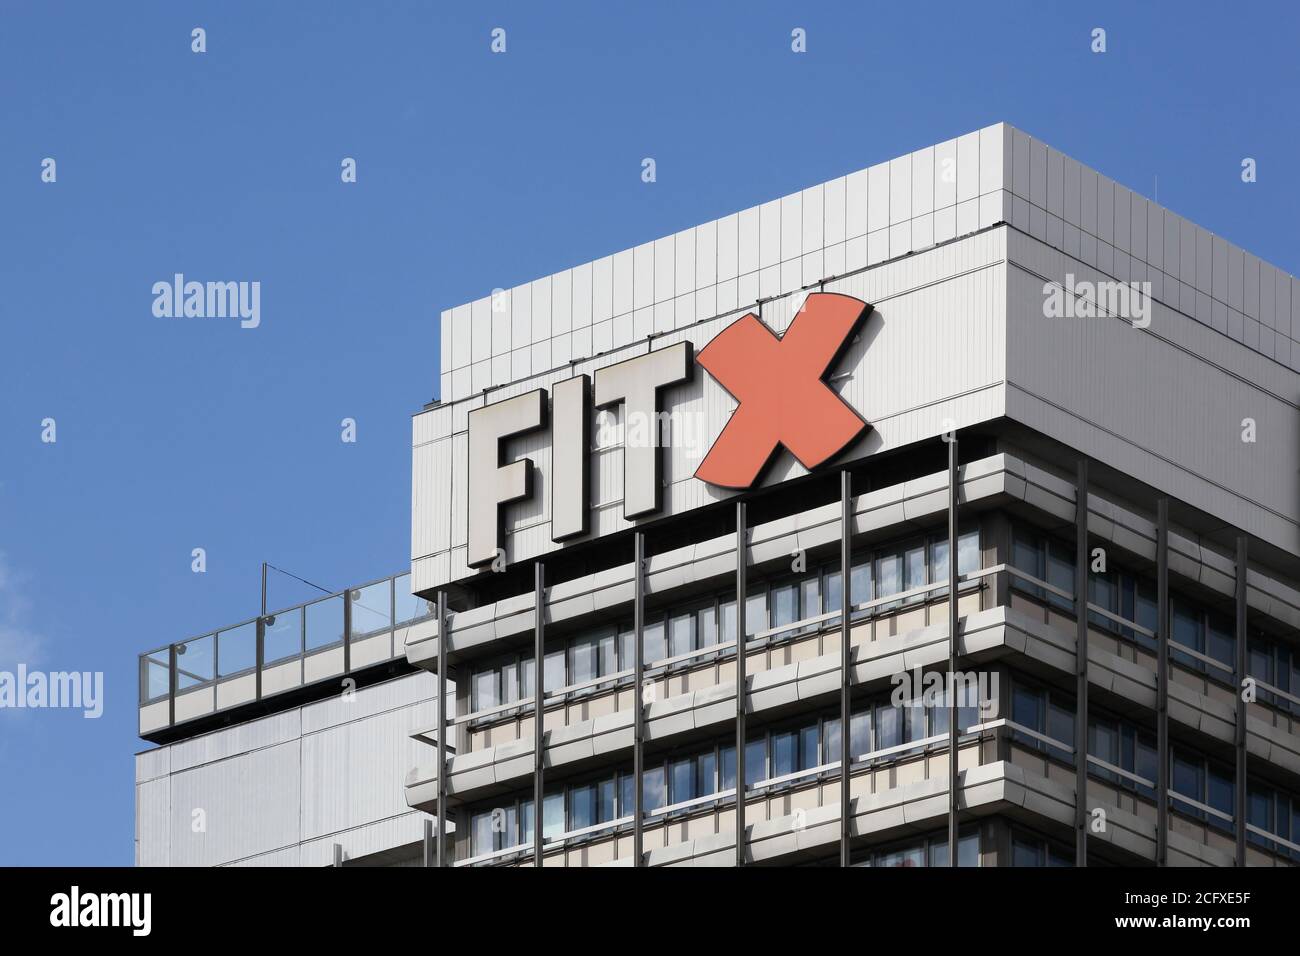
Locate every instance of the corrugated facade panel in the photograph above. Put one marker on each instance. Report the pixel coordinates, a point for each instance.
(350, 771)
(1165, 404)
(152, 816)
(241, 738)
(767, 250)
(263, 790)
(246, 805)
(431, 470)
(378, 837)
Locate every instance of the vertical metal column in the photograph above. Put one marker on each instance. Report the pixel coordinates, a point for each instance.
(1239, 805)
(1162, 682)
(260, 654)
(742, 557)
(539, 693)
(428, 843)
(638, 690)
(846, 675)
(172, 684)
(953, 792)
(347, 631)
(1081, 665)
(443, 637)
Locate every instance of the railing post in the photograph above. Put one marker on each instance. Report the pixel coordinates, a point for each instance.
(347, 631)
(171, 685)
(260, 654)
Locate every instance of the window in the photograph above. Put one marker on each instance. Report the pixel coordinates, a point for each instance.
(889, 577)
(755, 613)
(582, 807)
(706, 626)
(809, 747)
(834, 593)
(626, 795)
(656, 649)
(510, 683)
(483, 690)
(914, 570)
(583, 662)
(706, 773)
(682, 781)
(1060, 573)
(810, 598)
(554, 671)
(606, 794)
(785, 605)
(727, 612)
(681, 634)
(727, 779)
(608, 644)
(1220, 789)
(968, 850)
(1220, 642)
(968, 562)
(482, 834)
(553, 815)
(785, 753)
(1048, 714)
(1028, 850)
(652, 789)
(889, 726)
(755, 762)
(860, 590)
(626, 648)
(910, 856)
(939, 573)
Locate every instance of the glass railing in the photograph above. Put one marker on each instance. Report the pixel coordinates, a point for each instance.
(299, 646)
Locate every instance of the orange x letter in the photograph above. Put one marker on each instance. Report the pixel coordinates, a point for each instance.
(779, 385)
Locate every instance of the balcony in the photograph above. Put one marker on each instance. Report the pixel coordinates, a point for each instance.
(285, 658)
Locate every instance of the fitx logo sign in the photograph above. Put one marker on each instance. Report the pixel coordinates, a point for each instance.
(783, 400)
(781, 387)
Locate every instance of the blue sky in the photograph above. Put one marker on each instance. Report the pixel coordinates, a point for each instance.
(474, 171)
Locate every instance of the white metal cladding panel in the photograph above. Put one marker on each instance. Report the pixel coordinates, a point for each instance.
(290, 856)
(365, 840)
(351, 772)
(936, 352)
(431, 500)
(251, 805)
(238, 739)
(1129, 237)
(903, 204)
(152, 764)
(1164, 404)
(152, 823)
(366, 702)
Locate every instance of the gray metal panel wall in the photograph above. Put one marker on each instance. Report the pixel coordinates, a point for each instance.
(285, 788)
(1163, 404)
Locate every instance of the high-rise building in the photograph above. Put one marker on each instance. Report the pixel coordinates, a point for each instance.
(979, 390)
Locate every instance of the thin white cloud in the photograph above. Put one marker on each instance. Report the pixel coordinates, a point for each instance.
(18, 642)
